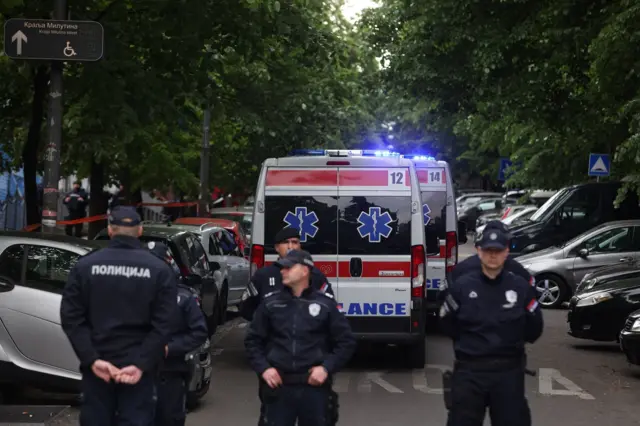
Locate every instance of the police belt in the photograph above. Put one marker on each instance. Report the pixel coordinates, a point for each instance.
(490, 363)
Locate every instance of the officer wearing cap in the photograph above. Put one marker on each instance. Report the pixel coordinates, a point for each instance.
(189, 333)
(268, 279)
(472, 263)
(297, 340)
(117, 310)
(490, 313)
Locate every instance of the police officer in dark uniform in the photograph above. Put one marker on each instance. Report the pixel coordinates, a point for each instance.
(268, 279)
(189, 333)
(117, 310)
(472, 263)
(490, 313)
(297, 340)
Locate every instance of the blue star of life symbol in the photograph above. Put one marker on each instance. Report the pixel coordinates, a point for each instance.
(303, 221)
(425, 212)
(375, 224)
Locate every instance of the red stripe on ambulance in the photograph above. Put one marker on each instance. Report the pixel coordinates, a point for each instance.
(374, 269)
(304, 177)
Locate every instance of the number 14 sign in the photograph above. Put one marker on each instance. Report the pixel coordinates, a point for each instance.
(433, 177)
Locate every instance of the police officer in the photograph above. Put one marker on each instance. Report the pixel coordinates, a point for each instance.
(117, 310)
(490, 313)
(189, 333)
(267, 280)
(297, 340)
(472, 263)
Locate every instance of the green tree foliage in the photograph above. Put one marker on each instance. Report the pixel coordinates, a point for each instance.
(276, 75)
(544, 83)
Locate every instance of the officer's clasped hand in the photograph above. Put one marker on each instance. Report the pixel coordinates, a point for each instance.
(106, 371)
(272, 377)
(318, 375)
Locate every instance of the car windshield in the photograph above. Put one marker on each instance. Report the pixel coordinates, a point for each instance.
(541, 213)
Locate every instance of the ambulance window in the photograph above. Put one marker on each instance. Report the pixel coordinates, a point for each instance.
(375, 225)
(436, 214)
(318, 216)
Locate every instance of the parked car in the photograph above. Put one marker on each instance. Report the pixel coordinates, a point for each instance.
(222, 250)
(235, 228)
(473, 197)
(470, 212)
(34, 350)
(242, 215)
(630, 338)
(557, 270)
(195, 269)
(609, 273)
(601, 314)
(514, 219)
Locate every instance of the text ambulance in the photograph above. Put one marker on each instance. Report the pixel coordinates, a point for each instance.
(359, 214)
(441, 223)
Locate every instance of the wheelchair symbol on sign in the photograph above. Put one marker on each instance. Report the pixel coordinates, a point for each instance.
(68, 51)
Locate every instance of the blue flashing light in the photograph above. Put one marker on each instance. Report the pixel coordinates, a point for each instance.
(419, 157)
(307, 152)
(379, 153)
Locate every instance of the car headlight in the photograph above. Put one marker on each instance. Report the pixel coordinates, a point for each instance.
(587, 284)
(636, 325)
(595, 299)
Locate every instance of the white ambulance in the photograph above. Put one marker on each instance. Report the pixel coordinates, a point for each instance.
(441, 223)
(359, 214)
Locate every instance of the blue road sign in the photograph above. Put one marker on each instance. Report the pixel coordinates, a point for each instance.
(599, 165)
(505, 163)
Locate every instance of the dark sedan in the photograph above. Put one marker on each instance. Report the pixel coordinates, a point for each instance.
(630, 338)
(608, 274)
(601, 314)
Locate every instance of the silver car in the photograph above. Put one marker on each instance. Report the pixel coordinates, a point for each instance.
(558, 270)
(34, 350)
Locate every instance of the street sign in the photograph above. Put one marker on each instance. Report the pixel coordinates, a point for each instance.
(599, 165)
(43, 39)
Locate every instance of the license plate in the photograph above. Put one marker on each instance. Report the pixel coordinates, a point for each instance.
(206, 373)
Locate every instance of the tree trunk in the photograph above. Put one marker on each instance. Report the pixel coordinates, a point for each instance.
(98, 198)
(30, 149)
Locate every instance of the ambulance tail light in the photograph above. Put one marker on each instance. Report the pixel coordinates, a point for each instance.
(451, 250)
(257, 258)
(417, 271)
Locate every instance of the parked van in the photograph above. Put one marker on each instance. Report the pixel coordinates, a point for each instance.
(570, 212)
(359, 214)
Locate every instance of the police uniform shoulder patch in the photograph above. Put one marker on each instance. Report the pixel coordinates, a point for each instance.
(151, 245)
(325, 294)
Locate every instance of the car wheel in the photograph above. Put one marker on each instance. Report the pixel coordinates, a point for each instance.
(417, 354)
(552, 290)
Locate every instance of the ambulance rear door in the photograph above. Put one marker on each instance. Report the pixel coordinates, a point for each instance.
(374, 246)
(440, 224)
(302, 193)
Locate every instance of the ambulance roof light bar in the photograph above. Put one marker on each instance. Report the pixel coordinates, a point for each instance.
(343, 153)
(418, 157)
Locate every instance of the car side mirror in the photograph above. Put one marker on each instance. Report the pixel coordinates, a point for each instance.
(583, 253)
(194, 281)
(5, 285)
(462, 232)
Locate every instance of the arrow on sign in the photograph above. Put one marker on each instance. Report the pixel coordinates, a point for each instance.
(19, 38)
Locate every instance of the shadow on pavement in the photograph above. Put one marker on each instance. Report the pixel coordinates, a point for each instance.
(598, 347)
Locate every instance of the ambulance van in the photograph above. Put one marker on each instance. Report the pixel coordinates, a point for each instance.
(359, 214)
(441, 223)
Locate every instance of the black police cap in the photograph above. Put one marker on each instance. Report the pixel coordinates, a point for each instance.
(295, 257)
(493, 238)
(124, 216)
